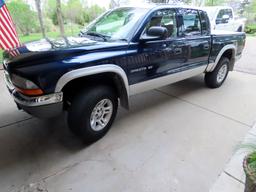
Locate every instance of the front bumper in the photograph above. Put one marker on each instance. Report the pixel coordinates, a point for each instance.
(45, 106)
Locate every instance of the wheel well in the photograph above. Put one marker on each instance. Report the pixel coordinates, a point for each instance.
(110, 79)
(230, 54)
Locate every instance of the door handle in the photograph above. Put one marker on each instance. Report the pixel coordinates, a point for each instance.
(177, 51)
(164, 45)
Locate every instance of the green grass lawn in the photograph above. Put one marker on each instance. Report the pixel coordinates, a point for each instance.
(70, 31)
(251, 35)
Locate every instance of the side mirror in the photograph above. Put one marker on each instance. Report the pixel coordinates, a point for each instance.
(225, 17)
(155, 33)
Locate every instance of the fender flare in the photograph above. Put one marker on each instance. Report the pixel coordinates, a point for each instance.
(212, 65)
(88, 71)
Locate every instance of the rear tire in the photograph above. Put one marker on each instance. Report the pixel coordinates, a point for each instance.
(92, 112)
(217, 77)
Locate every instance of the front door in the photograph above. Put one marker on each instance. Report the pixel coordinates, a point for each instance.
(153, 59)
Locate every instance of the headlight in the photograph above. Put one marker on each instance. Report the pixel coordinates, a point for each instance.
(25, 86)
(23, 83)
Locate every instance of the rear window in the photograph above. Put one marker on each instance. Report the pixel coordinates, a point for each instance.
(189, 22)
(205, 23)
(223, 12)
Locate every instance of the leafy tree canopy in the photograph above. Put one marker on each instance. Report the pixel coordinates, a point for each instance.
(25, 19)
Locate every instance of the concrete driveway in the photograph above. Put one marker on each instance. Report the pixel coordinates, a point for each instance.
(177, 138)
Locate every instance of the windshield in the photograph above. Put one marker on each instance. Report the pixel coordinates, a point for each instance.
(116, 24)
(211, 12)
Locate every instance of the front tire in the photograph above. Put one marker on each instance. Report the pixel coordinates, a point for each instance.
(217, 77)
(92, 112)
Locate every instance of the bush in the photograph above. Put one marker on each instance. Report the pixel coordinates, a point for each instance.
(250, 28)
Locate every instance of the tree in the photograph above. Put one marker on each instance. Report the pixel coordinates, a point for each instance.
(73, 11)
(114, 3)
(214, 2)
(50, 10)
(24, 18)
(250, 12)
(92, 12)
(40, 17)
(60, 19)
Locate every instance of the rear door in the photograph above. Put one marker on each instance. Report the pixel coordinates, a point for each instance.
(194, 37)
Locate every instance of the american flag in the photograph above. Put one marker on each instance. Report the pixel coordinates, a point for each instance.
(8, 35)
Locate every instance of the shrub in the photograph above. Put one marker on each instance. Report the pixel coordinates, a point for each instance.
(250, 28)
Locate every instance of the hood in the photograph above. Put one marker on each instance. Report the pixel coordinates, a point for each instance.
(49, 50)
(61, 43)
(51, 46)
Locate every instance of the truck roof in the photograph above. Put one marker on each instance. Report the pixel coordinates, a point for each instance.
(161, 6)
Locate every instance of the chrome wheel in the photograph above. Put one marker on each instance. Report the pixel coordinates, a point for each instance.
(222, 73)
(101, 114)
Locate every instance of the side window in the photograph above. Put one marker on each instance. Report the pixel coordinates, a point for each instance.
(189, 22)
(164, 18)
(205, 23)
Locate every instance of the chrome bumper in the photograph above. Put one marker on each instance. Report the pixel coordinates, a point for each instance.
(31, 101)
(37, 101)
(44, 106)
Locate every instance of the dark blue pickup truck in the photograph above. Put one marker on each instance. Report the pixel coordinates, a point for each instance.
(125, 51)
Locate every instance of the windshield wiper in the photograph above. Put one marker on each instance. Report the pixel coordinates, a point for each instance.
(122, 40)
(95, 34)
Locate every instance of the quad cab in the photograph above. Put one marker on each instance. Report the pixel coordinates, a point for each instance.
(124, 52)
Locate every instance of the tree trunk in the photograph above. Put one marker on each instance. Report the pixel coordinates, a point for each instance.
(114, 3)
(40, 17)
(60, 19)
